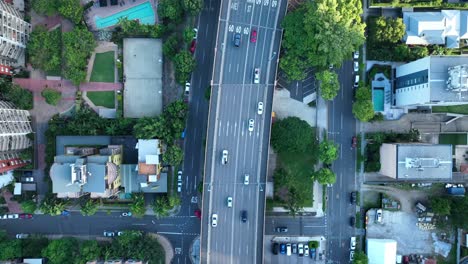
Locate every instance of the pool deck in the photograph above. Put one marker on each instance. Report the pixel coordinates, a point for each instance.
(110, 10)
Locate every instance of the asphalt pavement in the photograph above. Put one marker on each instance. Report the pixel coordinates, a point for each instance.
(234, 100)
(341, 129)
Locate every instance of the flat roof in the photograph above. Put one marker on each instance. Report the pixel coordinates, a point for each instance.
(424, 161)
(381, 251)
(143, 63)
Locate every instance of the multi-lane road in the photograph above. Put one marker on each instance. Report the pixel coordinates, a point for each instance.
(234, 100)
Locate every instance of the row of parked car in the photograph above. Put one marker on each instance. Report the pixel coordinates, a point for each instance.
(288, 249)
(16, 216)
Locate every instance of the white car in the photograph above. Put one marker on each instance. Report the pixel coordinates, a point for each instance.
(3, 216)
(378, 215)
(356, 81)
(356, 55)
(351, 255)
(260, 108)
(13, 216)
(187, 88)
(300, 249)
(119, 233)
(179, 176)
(29, 179)
(229, 202)
(109, 234)
(224, 158)
(352, 244)
(127, 214)
(257, 75)
(356, 66)
(22, 236)
(251, 125)
(179, 187)
(246, 179)
(306, 250)
(214, 220)
(195, 30)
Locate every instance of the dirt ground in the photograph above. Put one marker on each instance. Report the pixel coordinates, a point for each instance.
(401, 226)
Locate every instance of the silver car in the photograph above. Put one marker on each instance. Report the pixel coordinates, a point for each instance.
(229, 202)
(257, 75)
(224, 158)
(356, 66)
(251, 125)
(260, 108)
(214, 220)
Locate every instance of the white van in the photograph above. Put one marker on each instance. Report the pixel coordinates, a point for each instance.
(288, 249)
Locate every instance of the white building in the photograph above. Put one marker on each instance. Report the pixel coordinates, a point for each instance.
(14, 34)
(381, 251)
(447, 27)
(433, 80)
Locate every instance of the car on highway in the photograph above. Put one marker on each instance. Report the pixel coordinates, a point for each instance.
(229, 202)
(22, 236)
(352, 243)
(187, 89)
(179, 187)
(356, 55)
(353, 197)
(256, 75)
(237, 39)
(354, 142)
(246, 179)
(282, 248)
(214, 220)
(253, 35)
(356, 81)
(127, 214)
(288, 249)
(25, 216)
(275, 248)
(306, 250)
(281, 229)
(193, 46)
(294, 248)
(352, 221)
(224, 157)
(109, 234)
(356, 66)
(378, 216)
(260, 108)
(300, 249)
(251, 125)
(179, 176)
(244, 216)
(195, 30)
(13, 216)
(351, 255)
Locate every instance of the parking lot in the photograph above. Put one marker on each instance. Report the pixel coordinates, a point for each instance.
(401, 226)
(294, 258)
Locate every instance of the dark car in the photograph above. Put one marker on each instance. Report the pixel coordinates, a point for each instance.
(237, 39)
(193, 46)
(352, 221)
(275, 248)
(294, 248)
(244, 216)
(313, 253)
(353, 198)
(281, 229)
(197, 213)
(25, 216)
(353, 142)
(283, 248)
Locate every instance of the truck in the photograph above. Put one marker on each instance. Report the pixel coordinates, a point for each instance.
(456, 191)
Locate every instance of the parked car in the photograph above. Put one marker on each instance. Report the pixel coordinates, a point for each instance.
(179, 187)
(356, 81)
(352, 244)
(288, 249)
(351, 255)
(275, 248)
(306, 250)
(353, 197)
(300, 249)
(65, 213)
(237, 39)
(253, 35)
(260, 108)
(214, 220)
(28, 179)
(294, 248)
(229, 202)
(25, 216)
(4, 216)
(193, 46)
(224, 159)
(119, 233)
(378, 216)
(109, 234)
(356, 66)
(127, 214)
(179, 176)
(354, 142)
(197, 213)
(257, 75)
(313, 253)
(195, 30)
(22, 236)
(251, 125)
(187, 89)
(352, 221)
(244, 216)
(281, 229)
(282, 248)
(13, 216)
(356, 55)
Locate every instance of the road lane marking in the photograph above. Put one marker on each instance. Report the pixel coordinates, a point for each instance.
(229, 68)
(227, 129)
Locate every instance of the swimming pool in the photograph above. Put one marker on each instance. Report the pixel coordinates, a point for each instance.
(143, 12)
(378, 99)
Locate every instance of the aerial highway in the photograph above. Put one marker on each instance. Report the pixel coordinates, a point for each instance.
(246, 56)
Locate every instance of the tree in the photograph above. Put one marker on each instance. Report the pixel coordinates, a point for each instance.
(173, 155)
(188, 34)
(459, 211)
(193, 7)
(29, 206)
(360, 258)
(51, 96)
(329, 84)
(294, 201)
(320, 33)
(161, 207)
(174, 201)
(328, 152)
(184, 64)
(52, 206)
(20, 97)
(77, 47)
(89, 207)
(90, 250)
(171, 45)
(170, 10)
(11, 249)
(388, 29)
(363, 110)
(61, 251)
(72, 10)
(291, 135)
(44, 49)
(137, 207)
(33, 246)
(440, 205)
(325, 176)
(45, 7)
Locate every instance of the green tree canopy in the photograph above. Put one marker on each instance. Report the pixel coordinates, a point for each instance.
(90, 250)
(325, 176)
(388, 29)
(52, 206)
(320, 33)
(51, 96)
(173, 155)
(329, 84)
(193, 7)
(171, 10)
(20, 97)
(440, 205)
(45, 7)
(171, 45)
(89, 207)
(72, 10)
(360, 258)
(137, 207)
(459, 211)
(184, 64)
(61, 251)
(188, 34)
(328, 152)
(10, 249)
(29, 206)
(44, 49)
(33, 246)
(363, 110)
(77, 47)
(291, 135)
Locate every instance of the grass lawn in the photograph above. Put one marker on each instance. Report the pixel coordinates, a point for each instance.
(105, 99)
(456, 109)
(453, 139)
(103, 68)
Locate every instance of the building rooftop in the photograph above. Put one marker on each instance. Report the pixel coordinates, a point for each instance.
(381, 251)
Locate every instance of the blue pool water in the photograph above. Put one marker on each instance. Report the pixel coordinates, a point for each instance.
(143, 12)
(378, 99)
